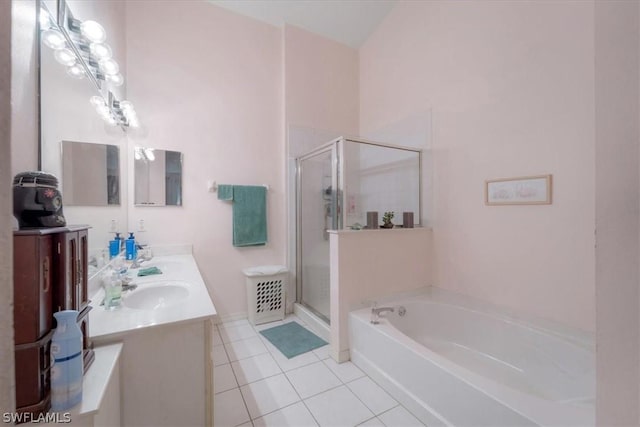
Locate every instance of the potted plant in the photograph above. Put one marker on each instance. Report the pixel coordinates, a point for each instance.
(386, 220)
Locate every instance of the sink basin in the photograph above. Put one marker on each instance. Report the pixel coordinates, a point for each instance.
(155, 297)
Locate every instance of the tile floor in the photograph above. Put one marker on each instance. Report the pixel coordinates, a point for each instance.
(255, 385)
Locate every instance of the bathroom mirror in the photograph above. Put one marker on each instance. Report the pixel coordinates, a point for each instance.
(66, 114)
(158, 177)
(90, 174)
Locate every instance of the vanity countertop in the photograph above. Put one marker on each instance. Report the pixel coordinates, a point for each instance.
(177, 271)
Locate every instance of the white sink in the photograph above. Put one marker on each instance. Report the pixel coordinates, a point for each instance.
(157, 296)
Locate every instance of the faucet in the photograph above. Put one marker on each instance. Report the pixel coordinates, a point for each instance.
(144, 255)
(377, 311)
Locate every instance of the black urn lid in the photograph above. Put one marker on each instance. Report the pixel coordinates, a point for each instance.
(36, 178)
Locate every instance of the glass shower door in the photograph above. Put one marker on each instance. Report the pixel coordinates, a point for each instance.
(317, 214)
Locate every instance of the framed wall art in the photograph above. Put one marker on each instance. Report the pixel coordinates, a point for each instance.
(526, 190)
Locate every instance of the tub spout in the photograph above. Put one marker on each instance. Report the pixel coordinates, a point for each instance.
(377, 311)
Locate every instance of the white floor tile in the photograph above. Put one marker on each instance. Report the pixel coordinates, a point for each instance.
(248, 424)
(264, 326)
(373, 422)
(312, 379)
(346, 371)
(338, 407)
(235, 333)
(268, 395)
(219, 355)
(295, 362)
(238, 350)
(223, 378)
(372, 395)
(296, 415)
(255, 368)
(322, 352)
(229, 409)
(399, 416)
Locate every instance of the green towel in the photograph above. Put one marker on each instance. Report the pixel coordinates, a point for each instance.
(149, 271)
(249, 215)
(225, 192)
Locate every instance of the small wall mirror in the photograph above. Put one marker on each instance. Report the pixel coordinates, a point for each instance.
(90, 174)
(158, 177)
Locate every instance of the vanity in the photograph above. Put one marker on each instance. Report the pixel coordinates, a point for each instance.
(165, 328)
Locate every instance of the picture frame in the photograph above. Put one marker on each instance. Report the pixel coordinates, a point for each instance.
(525, 190)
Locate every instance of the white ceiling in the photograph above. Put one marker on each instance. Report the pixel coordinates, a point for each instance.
(347, 21)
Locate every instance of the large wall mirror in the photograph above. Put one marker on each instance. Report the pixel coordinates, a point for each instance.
(67, 114)
(158, 177)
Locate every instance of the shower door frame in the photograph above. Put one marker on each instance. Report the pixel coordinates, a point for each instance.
(336, 147)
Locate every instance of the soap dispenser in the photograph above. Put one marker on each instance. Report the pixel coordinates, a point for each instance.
(131, 250)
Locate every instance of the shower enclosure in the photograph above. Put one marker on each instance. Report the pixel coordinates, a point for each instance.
(336, 185)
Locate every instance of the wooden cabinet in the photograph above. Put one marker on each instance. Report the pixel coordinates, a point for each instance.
(32, 277)
(50, 274)
(71, 270)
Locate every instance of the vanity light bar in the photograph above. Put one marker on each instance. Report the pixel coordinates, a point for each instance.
(85, 54)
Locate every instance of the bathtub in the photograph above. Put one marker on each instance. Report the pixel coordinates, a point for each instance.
(455, 361)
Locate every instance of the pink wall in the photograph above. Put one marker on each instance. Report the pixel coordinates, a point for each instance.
(24, 89)
(365, 268)
(617, 204)
(510, 85)
(321, 82)
(208, 83)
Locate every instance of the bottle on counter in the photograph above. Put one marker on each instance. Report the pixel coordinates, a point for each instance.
(67, 362)
(131, 250)
(112, 291)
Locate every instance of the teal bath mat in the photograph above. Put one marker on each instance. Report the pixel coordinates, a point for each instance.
(292, 339)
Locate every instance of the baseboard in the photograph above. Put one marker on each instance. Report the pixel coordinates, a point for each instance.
(230, 317)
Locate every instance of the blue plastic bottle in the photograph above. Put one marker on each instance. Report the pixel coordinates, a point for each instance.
(131, 251)
(67, 367)
(114, 248)
(121, 240)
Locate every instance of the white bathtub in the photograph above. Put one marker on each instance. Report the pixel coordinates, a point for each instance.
(455, 361)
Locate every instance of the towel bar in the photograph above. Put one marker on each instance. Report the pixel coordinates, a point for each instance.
(212, 186)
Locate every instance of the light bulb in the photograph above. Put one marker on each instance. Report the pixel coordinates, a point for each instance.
(93, 31)
(100, 50)
(126, 106)
(109, 66)
(133, 122)
(53, 39)
(65, 57)
(44, 18)
(111, 120)
(149, 153)
(76, 71)
(116, 79)
(137, 153)
(97, 101)
(103, 110)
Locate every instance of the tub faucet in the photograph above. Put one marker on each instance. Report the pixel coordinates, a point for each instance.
(377, 311)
